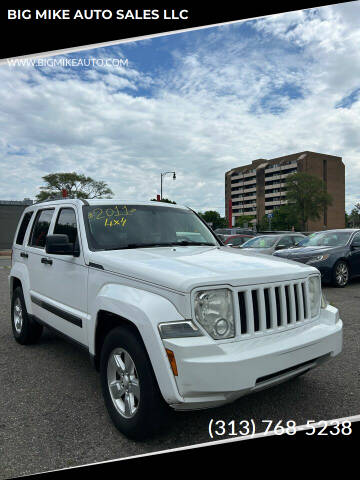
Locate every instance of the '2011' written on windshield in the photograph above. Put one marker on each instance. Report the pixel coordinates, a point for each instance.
(112, 216)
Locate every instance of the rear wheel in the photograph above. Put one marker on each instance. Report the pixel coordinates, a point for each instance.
(25, 329)
(129, 386)
(341, 274)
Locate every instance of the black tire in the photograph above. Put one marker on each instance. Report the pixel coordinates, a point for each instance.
(25, 330)
(150, 410)
(340, 274)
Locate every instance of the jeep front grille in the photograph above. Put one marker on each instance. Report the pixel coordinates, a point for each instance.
(270, 308)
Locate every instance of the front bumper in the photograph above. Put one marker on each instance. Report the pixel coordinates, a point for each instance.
(212, 374)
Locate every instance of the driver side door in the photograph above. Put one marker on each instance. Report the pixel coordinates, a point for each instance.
(61, 296)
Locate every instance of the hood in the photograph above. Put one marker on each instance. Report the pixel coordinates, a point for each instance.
(306, 252)
(184, 268)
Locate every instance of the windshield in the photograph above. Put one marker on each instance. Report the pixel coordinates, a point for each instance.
(266, 241)
(328, 239)
(113, 227)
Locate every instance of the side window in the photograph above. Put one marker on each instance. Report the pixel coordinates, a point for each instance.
(237, 241)
(286, 241)
(41, 228)
(66, 224)
(23, 227)
(356, 238)
(296, 240)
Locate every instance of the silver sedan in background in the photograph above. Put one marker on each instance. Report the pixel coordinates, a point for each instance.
(268, 244)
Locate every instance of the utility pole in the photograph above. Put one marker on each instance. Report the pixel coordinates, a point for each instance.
(161, 181)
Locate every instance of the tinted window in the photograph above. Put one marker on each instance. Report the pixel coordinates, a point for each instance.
(356, 238)
(23, 228)
(296, 240)
(66, 224)
(238, 240)
(265, 241)
(41, 228)
(286, 241)
(326, 239)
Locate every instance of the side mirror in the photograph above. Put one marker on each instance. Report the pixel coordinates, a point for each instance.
(59, 245)
(229, 244)
(355, 245)
(280, 247)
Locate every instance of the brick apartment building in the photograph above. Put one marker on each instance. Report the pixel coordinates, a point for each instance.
(259, 188)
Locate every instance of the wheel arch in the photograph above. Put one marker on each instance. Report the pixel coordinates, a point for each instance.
(14, 283)
(19, 277)
(141, 311)
(105, 322)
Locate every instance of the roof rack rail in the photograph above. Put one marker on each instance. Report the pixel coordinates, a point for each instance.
(85, 202)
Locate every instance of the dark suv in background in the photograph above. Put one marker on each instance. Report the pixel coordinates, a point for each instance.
(335, 253)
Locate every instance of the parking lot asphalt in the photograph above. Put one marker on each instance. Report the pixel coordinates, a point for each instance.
(52, 414)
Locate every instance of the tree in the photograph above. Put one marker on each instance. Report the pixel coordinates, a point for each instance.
(165, 200)
(213, 217)
(243, 219)
(354, 217)
(285, 217)
(76, 185)
(307, 196)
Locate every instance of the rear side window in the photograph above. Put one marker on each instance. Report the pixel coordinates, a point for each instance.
(286, 241)
(41, 228)
(66, 224)
(238, 240)
(23, 227)
(297, 240)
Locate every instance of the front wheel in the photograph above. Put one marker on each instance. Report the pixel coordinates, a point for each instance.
(129, 386)
(25, 330)
(341, 274)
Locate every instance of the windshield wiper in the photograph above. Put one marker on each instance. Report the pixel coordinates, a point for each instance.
(186, 243)
(142, 245)
(165, 244)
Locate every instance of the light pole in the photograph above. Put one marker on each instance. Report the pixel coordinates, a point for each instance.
(163, 175)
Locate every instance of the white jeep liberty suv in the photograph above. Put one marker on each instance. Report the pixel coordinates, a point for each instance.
(168, 314)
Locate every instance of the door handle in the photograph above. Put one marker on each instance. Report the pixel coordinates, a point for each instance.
(24, 255)
(48, 261)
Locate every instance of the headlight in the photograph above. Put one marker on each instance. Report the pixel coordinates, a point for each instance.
(315, 295)
(214, 311)
(318, 258)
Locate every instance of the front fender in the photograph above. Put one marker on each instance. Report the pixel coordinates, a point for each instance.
(20, 271)
(145, 310)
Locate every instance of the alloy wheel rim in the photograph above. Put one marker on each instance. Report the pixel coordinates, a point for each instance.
(18, 315)
(123, 382)
(342, 274)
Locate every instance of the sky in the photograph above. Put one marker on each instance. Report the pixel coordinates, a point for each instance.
(198, 103)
